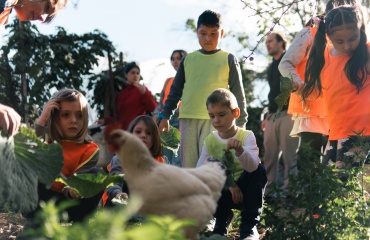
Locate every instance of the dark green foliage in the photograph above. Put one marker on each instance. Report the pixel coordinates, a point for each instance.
(32, 64)
(286, 85)
(254, 124)
(88, 185)
(325, 203)
(171, 139)
(24, 161)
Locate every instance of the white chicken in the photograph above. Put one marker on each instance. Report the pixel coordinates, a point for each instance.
(165, 189)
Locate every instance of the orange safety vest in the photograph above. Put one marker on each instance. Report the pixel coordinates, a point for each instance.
(105, 195)
(75, 156)
(166, 91)
(348, 111)
(317, 106)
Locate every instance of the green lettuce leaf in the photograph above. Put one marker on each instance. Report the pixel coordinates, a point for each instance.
(228, 161)
(88, 185)
(171, 139)
(25, 160)
(286, 85)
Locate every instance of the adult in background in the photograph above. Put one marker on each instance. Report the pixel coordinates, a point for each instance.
(26, 10)
(134, 100)
(276, 135)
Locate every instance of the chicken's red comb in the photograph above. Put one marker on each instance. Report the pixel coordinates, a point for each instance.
(110, 127)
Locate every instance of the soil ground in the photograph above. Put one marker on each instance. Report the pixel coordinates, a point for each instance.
(10, 225)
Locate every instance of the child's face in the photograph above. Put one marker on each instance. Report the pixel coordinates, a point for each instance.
(133, 76)
(222, 117)
(71, 118)
(209, 37)
(143, 132)
(175, 60)
(34, 9)
(345, 38)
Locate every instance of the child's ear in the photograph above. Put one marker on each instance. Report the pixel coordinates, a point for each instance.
(236, 113)
(222, 32)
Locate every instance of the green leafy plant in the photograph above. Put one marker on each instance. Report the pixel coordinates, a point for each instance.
(88, 185)
(324, 202)
(228, 161)
(113, 224)
(25, 161)
(286, 85)
(171, 139)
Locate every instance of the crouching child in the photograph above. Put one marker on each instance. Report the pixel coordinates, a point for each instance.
(248, 172)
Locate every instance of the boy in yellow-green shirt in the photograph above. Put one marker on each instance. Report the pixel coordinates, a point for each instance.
(249, 174)
(200, 72)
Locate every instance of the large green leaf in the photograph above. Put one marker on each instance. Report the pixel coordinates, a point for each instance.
(286, 85)
(171, 139)
(25, 159)
(88, 185)
(228, 161)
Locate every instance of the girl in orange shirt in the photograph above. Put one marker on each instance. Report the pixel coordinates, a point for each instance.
(145, 128)
(65, 119)
(340, 70)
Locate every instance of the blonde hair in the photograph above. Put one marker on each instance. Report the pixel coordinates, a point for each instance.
(54, 130)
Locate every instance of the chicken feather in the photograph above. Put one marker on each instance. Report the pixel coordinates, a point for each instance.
(186, 193)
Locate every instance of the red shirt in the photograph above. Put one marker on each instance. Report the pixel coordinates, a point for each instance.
(131, 103)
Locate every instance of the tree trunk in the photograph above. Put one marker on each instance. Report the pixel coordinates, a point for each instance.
(24, 93)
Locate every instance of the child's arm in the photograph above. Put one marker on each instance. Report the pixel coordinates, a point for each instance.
(175, 94)
(40, 124)
(297, 51)
(249, 157)
(237, 88)
(116, 189)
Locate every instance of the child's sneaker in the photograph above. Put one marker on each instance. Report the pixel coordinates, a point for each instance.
(249, 234)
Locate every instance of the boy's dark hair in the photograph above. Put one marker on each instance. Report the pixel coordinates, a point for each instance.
(209, 18)
(156, 149)
(224, 97)
(130, 66)
(355, 68)
(180, 51)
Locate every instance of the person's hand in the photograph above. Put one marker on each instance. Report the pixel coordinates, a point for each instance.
(122, 195)
(297, 88)
(141, 87)
(235, 144)
(46, 112)
(10, 120)
(73, 194)
(236, 194)
(164, 125)
(101, 121)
